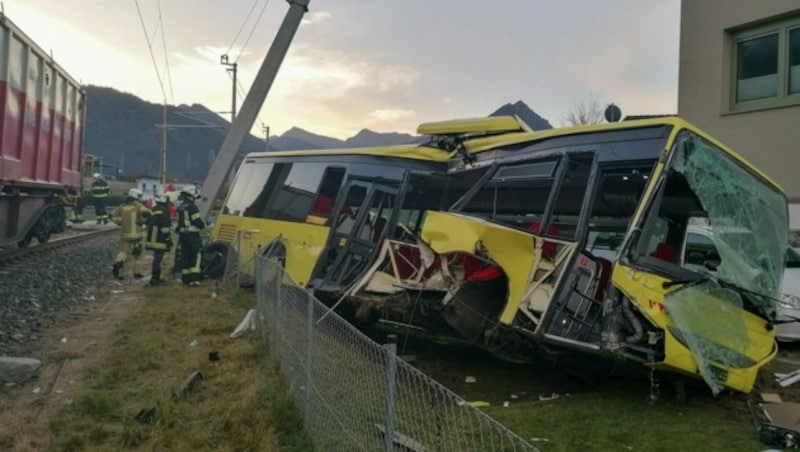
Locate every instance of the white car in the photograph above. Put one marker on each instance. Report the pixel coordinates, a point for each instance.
(699, 241)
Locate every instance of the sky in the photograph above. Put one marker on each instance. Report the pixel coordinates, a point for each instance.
(378, 64)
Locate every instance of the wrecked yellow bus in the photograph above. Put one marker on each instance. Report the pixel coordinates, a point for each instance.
(513, 239)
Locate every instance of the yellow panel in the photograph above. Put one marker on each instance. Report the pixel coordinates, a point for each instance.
(304, 242)
(513, 250)
(414, 152)
(494, 124)
(647, 294)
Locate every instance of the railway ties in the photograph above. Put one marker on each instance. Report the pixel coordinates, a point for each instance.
(9, 258)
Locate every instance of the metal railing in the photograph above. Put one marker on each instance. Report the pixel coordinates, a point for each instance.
(356, 394)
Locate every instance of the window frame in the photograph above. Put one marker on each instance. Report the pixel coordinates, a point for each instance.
(782, 27)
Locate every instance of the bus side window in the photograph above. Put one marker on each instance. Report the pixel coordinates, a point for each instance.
(326, 197)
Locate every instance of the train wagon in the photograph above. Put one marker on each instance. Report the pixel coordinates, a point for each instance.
(41, 137)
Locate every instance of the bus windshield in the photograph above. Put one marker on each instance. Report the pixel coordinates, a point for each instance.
(703, 181)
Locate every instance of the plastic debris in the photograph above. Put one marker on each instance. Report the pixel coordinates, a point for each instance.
(506, 404)
(190, 384)
(213, 356)
(545, 398)
(63, 340)
(247, 323)
(540, 440)
(476, 404)
(194, 343)
(788, 379)
(470, 379)
(37, 390)
(514, 397)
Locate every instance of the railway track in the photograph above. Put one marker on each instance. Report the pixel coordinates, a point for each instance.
(12, 255)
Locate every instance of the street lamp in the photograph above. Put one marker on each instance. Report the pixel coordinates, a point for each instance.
(231, 67)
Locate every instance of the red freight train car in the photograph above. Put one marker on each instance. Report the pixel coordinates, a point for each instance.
(41, 136)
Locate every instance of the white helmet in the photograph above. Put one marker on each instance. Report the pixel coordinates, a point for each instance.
(192, 191)
(135, 193)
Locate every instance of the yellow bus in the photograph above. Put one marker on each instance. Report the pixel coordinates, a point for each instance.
(513, 239)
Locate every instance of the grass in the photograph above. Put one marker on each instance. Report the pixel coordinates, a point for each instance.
(242, 402)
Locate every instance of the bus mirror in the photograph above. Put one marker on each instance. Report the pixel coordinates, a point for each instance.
(711, 264)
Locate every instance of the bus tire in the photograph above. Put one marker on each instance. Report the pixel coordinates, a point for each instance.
(216, 256)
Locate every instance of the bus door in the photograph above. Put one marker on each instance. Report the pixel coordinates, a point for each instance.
(576, 313)
(358, 226)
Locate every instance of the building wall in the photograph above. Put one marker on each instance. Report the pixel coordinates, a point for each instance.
(769, 138)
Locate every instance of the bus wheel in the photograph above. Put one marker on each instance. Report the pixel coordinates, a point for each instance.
(216, 256)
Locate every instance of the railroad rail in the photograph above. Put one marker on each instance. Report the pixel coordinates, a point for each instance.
(12, 255)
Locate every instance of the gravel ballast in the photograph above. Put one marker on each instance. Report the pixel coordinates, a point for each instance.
(50, 289)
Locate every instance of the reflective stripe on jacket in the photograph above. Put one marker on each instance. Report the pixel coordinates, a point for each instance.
(100, 189)
(158, 232)
(189, 218)
(131, 216)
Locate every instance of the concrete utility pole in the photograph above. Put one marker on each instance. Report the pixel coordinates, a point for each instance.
(253, 102)
(231, 67)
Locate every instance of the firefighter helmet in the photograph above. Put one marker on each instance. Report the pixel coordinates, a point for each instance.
(135, 193)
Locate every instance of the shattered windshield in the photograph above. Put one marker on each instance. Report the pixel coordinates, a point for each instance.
(736, 199)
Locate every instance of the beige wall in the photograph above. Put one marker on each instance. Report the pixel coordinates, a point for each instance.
(768, 138)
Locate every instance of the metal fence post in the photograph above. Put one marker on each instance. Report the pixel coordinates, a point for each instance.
(277, 306)
(309, 360)
(391, 355)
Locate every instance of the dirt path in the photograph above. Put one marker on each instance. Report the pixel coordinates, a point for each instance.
(68, 352)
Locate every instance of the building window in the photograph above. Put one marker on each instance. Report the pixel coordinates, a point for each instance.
(757, 68)
(766, 65)
(794, 61)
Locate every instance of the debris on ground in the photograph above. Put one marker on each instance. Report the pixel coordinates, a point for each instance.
(194, 343)
(787, 379)
(547, 398)
(190, 384)
(248, 323)
(213, 356)
(145, 416)
(470, 379)
(476, 404)
(18, 370)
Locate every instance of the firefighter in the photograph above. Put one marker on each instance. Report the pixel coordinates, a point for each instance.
(100, 190)
(191, 245)
(158, 237)
(130, 216)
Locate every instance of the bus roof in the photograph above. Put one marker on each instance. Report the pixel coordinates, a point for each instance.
(488, 143)
(406, 151)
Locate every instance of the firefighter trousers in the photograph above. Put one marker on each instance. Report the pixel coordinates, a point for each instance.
(191, 254)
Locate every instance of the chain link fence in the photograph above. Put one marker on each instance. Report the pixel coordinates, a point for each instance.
(356, 394)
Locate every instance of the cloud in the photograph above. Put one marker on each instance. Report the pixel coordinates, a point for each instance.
(316, 18)
(391, 114)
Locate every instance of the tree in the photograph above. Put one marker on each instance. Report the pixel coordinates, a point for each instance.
(583, 114)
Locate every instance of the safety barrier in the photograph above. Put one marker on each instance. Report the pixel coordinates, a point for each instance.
(356, 394)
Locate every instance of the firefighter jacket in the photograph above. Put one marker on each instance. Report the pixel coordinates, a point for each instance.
(100, 189)
(189, 218)
(131, 216)
(158, 235)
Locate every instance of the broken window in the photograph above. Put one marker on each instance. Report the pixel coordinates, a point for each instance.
(747, 214)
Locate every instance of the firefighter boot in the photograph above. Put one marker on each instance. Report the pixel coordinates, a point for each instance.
(116, 268)
(155, 279)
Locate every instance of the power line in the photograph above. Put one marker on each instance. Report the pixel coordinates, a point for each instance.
(241, 27)
(166, 55)
(263, 8)
(150, 48)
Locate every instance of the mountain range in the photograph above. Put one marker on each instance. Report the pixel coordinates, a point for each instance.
(126, 132)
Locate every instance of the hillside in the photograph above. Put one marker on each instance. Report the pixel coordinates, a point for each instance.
(126, 133)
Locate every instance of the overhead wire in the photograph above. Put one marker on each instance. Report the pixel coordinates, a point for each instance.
(166, 55)
(241, 27)
(255, 25)
(150, 48)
